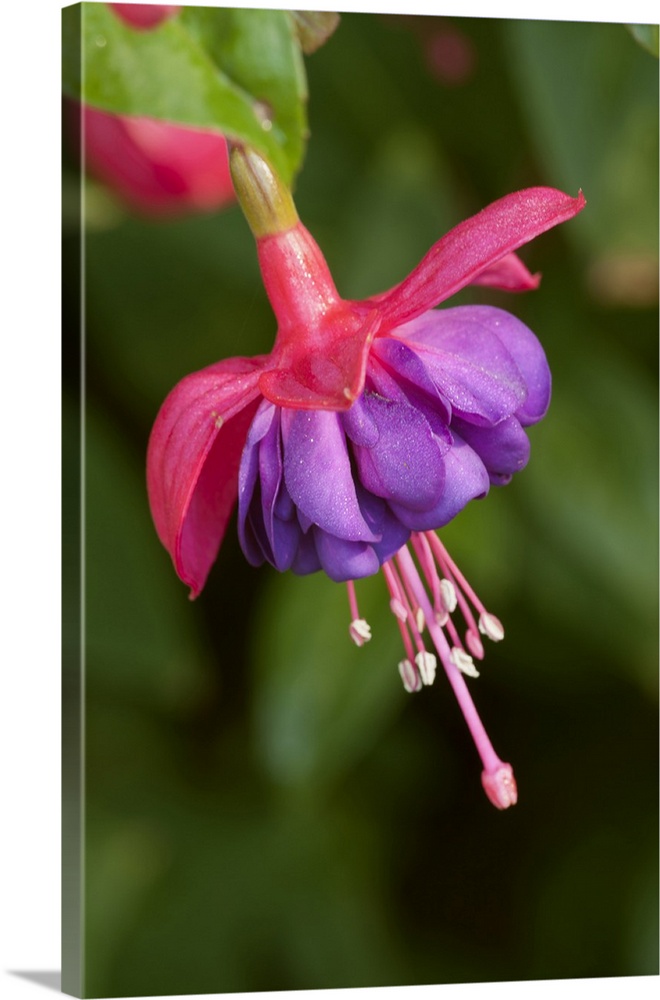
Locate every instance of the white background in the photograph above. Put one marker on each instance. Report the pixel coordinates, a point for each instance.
(30, 490)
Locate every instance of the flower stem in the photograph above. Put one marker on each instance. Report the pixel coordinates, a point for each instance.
(266, 201)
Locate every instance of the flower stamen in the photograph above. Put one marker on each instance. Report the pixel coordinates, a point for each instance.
(426, 664)
(400, 612)
(491, 626)
(359, 629)
(409, 622)
(411, 680)
(425, 556)
(463, 661)
(414, 611)
(397, 607)
(474, 643)
(488, 624)
(448, 596)
(413, 605)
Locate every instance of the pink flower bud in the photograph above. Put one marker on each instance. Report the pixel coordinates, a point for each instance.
(157, 168)
(144, 15)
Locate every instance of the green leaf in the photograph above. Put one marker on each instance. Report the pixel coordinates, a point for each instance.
(239, 72)
(646, 35)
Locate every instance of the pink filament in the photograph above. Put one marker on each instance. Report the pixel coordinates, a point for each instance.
(352, 600)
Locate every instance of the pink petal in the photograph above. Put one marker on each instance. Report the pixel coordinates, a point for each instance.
(192, 462)
(472, 248)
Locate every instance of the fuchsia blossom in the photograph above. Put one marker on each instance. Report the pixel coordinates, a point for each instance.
(144, 15)
(369, 425)
(157, 168)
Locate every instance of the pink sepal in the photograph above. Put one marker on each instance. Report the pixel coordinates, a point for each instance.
(320, 355)
(472, 248)
(510, 275)
(192, 462)
(305, 377)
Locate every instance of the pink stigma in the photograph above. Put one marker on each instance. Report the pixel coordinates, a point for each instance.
(500, 787)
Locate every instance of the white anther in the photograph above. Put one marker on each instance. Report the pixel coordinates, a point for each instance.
(448, 595)
(426, 664)
(359, 631)
(420, 620)
(397, 609)
(441, 617)
(411, 679)
(491, 626)
(463, 661)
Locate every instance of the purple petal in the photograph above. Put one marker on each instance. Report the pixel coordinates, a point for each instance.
(306, 559)
(267, 528)
(284, 507)
(525, 349)
(466, 479)
(412, 381)
(318, 474)
(343, 560)
(405, 464)
(504, 449)
(270, 469)
(305, 522)
(251, 535)
(285, 539)
(468, 361)
(384, 523)
(359, 425)
(283, 534)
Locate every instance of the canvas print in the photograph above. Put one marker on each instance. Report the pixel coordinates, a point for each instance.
(360, 495)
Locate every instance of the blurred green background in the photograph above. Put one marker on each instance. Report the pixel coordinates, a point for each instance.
(266, 809)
